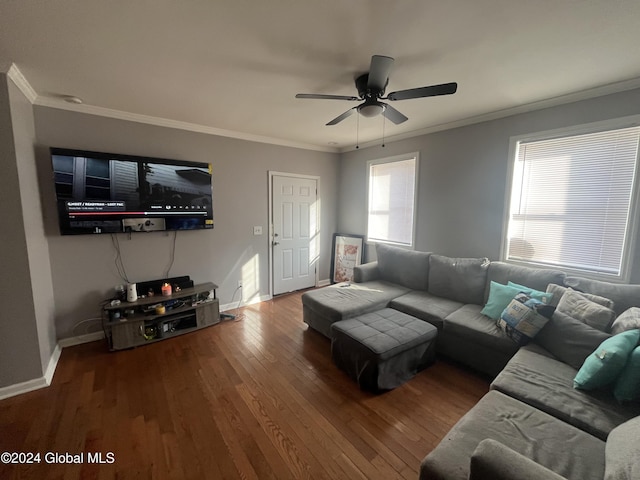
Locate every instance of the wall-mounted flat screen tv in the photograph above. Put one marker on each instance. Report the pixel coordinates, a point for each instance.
(114, 193)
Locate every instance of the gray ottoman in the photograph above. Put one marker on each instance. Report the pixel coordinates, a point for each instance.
(382, 350)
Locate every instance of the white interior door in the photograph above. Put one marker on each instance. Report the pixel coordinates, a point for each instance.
(294, 233)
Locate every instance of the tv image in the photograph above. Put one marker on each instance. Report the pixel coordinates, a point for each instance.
(114, 193)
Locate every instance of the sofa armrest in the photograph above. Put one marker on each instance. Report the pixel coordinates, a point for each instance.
(492, 460)
(366, 272)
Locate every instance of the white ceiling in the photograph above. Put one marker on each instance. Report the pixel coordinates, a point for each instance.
(234, 66)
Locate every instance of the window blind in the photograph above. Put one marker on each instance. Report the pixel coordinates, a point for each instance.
(571, 201)
(391, 201)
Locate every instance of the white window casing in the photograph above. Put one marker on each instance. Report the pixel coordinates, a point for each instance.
(391, 199)
(571, 199)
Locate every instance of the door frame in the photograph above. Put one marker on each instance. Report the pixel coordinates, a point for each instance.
(272, 174)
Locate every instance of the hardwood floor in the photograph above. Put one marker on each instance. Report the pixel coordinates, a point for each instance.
(254, 398)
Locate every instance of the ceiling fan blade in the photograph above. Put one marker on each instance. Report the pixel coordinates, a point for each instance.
(432, 91)
(326, 97)
(340, 118)
(379, 72)
(394, 115)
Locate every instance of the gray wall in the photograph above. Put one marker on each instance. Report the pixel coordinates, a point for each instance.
(37, 245)
(27, 336)
(463, 176)
(83, 268)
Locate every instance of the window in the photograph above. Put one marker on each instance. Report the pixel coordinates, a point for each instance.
(572, 201)
(84, 178)
(63, 171)
(392, 196)
(97, 179)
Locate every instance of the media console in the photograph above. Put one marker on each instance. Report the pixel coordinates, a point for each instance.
(131, 324)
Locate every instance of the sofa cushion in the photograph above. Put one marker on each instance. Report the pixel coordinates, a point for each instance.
(536, 278)
(581, 308)
(459, 279)
(605, 364)
(628, 320)
(341, 301)
(535, 377)
(569, 339)
(501, 295)
(627, 387)
(623, 296)
(425, 306)
(622, 452)
(408, 268)
(468, 322)
(558, 291)
(526, 430)
(492, 460)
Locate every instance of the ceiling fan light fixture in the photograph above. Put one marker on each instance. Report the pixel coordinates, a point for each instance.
(370, 110)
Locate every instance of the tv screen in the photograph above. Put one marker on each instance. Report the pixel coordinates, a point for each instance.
(113, 193)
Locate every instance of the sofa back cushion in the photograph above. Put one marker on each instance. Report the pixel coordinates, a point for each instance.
(569, 340)
(622, 452)
(459, 279)
(623, 296)
(408, 268)
(581, 308)
(536, 278)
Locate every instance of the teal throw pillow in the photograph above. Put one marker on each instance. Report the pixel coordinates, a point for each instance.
(627, 388)
(606, 363)
(501, 295)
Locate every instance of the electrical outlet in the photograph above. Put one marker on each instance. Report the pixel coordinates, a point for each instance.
(239, 283)
(257, 230)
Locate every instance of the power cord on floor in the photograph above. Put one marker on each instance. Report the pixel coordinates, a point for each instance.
(225, 317)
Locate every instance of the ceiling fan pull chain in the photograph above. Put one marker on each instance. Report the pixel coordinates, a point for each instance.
(358, 132)
(384, 122)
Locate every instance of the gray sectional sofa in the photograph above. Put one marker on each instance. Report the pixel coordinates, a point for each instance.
(533, 423)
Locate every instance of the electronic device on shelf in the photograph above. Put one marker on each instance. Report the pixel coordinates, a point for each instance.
(154, 318)
(112, 193)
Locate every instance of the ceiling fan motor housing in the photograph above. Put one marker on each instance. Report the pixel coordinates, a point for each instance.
(364, 91)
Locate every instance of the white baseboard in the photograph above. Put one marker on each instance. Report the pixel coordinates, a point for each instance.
(24, 387)
(53, 363)
(324, 283)
(36, 383)
(80, 339)
(47, 378)
(253, 301)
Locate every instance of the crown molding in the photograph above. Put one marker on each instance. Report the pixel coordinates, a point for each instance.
(590, 93)
(22, 83)
(25, 87)
(165, 122)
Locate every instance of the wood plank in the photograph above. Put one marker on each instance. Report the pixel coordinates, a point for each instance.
(254, 398)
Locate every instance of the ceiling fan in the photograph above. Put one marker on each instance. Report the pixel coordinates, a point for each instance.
(371, 87)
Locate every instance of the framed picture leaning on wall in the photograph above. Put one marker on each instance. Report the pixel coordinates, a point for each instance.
(348, 251)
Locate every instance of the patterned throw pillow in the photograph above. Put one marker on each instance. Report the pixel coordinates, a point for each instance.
(524, 317)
